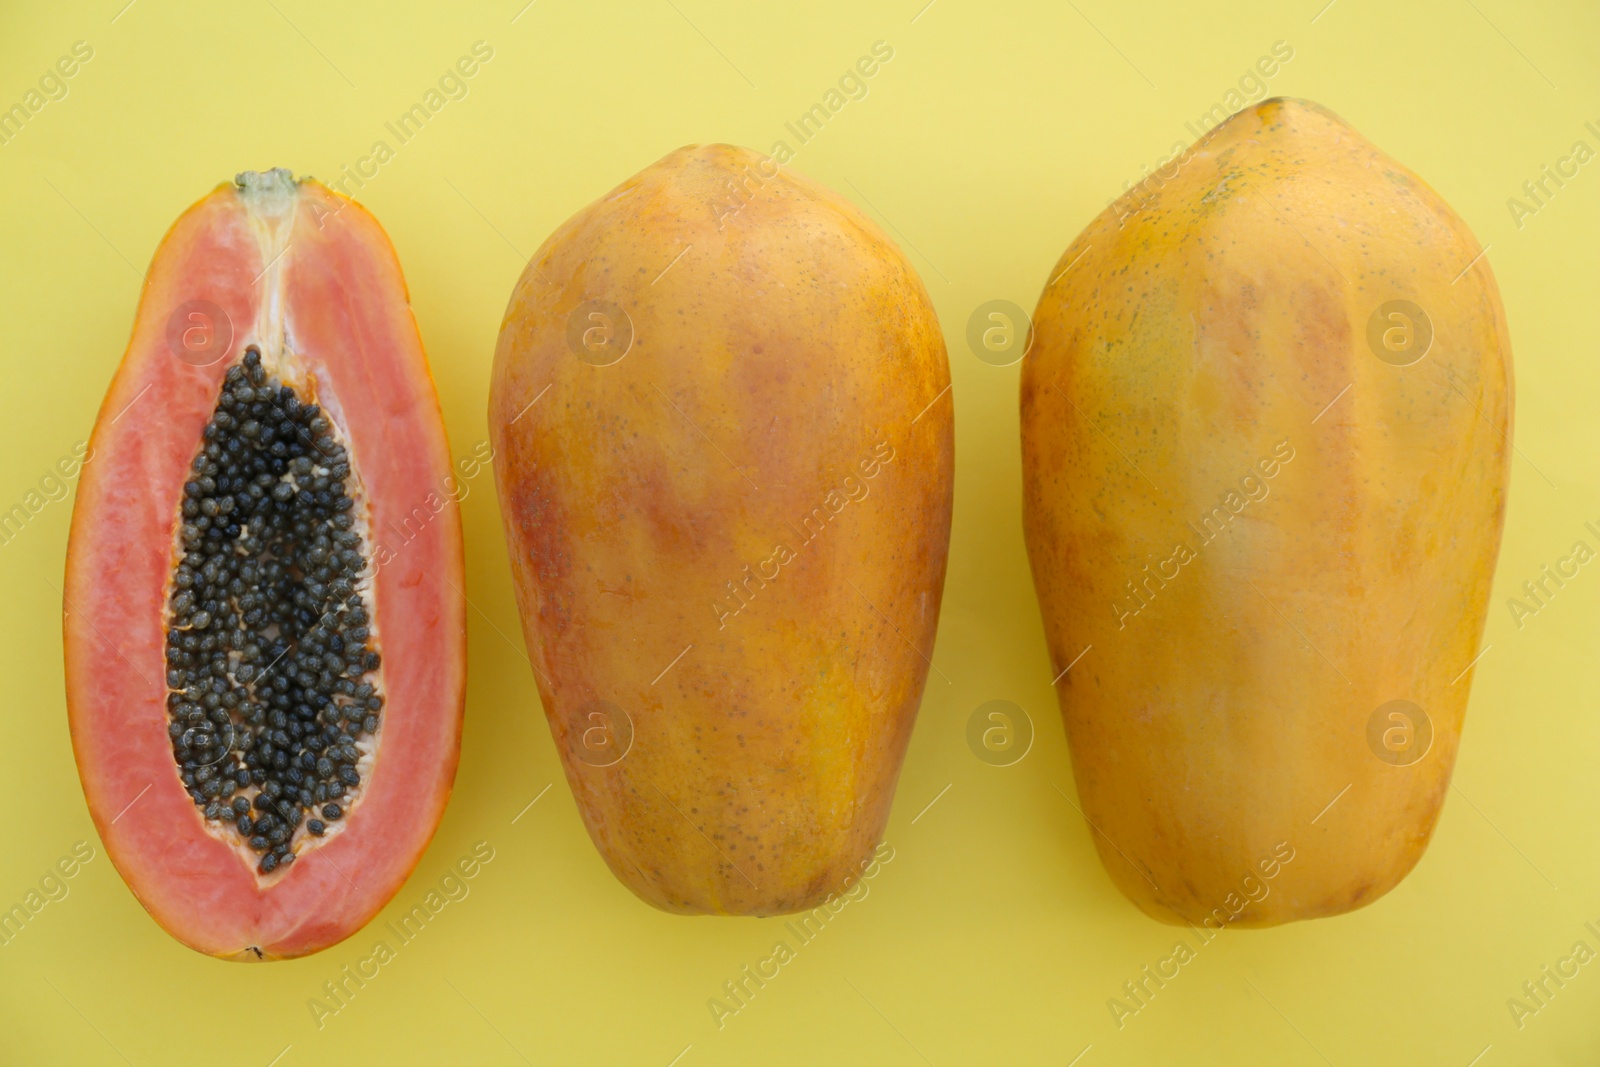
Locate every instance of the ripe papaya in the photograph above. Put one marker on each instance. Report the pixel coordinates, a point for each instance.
(264, 629)
(720, 406)
(1265, 434)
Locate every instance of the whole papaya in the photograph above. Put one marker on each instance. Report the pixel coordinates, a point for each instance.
(724, 457)
(1265, 430)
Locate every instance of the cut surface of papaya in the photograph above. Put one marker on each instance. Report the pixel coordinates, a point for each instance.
(264, 629)
(1266, 439)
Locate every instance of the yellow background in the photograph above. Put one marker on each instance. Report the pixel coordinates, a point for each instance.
(997, 131)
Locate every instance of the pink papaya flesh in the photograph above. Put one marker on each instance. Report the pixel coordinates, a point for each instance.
(264, 628)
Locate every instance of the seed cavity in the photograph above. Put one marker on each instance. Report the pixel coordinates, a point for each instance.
(271, 692)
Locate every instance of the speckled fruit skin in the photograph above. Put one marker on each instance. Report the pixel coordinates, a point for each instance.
(1212, 339)
(736, 534)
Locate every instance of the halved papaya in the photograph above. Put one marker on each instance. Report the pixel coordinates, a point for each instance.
(264, 623)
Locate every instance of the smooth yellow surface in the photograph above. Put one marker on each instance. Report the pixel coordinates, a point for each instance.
(995, 133)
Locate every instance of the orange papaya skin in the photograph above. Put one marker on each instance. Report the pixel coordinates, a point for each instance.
(1266, 508)
(735, 534)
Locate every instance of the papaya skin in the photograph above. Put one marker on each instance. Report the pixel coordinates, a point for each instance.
(1261, 531)
(736, 534)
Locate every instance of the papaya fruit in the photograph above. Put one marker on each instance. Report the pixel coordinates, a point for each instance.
(264, 629)
(724, 437)
(1266, 424)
